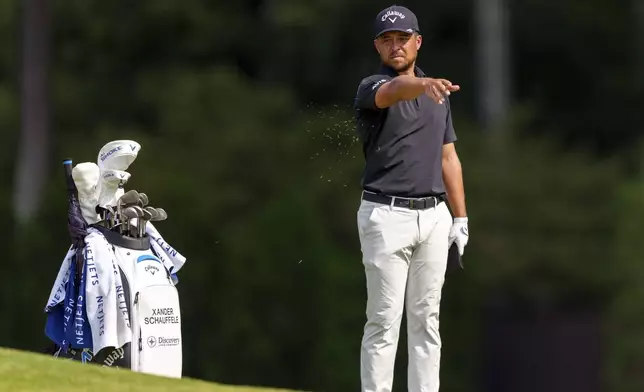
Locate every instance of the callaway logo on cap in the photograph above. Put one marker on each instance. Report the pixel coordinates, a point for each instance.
(395, 18)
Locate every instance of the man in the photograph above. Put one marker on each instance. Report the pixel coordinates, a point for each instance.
(404, 225)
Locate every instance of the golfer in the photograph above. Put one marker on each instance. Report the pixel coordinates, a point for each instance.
(404, 224)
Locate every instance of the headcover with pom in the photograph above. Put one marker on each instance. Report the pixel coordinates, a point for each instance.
(86, 176)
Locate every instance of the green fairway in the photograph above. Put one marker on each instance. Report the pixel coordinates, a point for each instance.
(22, 371)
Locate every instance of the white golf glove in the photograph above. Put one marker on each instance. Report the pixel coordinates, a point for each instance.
(459, 234)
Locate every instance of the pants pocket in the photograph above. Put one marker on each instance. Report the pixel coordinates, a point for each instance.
(370, 215)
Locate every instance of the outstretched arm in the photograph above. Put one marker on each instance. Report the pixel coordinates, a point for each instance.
(405, 88)
(381, 91)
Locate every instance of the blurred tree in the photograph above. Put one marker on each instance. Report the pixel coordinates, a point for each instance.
(493, 65)
(625, 325)
(638, 64)
(575, 65)
(242, 111)
(33, 151)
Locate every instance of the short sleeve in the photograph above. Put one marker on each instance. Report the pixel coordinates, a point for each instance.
(366, 95)
(450, 134)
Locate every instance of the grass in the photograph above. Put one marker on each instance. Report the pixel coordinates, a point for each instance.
(29, 372)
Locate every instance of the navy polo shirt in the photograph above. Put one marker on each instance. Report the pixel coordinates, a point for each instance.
(402, 144)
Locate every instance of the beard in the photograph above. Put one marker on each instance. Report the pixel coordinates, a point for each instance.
(404, 67)
(400, 67)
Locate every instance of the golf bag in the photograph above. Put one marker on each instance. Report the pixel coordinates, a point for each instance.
(153, 306)
(114, 302)
(149, 302)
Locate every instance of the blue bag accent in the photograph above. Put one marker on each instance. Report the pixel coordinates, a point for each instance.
(82, 331)
(54, 325)
(147, 257)
(67, 324)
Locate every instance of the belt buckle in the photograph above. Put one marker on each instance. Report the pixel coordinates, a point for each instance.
(411, 203)
(425, 202)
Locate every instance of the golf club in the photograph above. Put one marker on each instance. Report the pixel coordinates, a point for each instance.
(139, 215)
(162, 215)
(128, 214)
(144, 200)
(111, 215)
(129, 198)
(102, 213)
(147, 215)
(152, 211)
(106, 216)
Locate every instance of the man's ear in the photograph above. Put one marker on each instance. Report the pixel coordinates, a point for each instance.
(419, 41)
(375, 44)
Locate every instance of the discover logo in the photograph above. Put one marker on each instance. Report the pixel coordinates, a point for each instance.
(162, 341)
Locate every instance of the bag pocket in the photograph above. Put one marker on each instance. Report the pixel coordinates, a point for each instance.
(157, 317)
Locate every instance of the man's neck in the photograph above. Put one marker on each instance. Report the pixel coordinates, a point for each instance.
(411, 71)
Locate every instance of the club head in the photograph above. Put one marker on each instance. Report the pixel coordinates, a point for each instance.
(153, 211)
(147, 215)
(144, 200)
(139, 211)
(126, 215)
(162, 215)
(129, 198)
(131, 213)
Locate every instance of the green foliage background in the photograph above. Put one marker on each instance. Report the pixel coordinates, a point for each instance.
(243, 112)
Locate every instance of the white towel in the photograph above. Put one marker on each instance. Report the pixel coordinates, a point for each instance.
(102, 300)
(57, 294)
(123, 320)
(160, 253)
(177, 259)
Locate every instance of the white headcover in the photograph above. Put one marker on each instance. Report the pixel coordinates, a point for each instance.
(113, 159)
(113, 176)
(86, 176)
(118, 154)
(111, 186)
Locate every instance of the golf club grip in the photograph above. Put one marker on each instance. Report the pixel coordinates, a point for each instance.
(67, 166)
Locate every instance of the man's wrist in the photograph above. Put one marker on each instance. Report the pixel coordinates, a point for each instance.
(460, 219)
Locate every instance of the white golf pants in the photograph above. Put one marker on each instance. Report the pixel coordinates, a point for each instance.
(405, 257)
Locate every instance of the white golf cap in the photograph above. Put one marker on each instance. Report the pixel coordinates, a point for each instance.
(118, 154)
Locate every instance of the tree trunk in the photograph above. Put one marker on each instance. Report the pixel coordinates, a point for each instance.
(33, 149)
(493, 66)
(638, 8)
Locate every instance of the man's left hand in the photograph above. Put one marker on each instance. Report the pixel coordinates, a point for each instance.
(459, 234)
